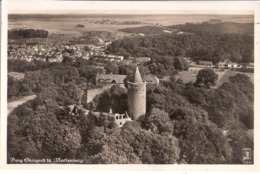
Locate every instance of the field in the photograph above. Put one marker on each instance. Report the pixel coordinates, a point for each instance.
(66, 24)
(223, 27)
(232, 73)
(190, 76)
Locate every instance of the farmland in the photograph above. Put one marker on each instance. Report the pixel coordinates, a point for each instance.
(65, 24)
(223, 76)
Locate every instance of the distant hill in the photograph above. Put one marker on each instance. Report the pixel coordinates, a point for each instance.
(144, 30)
(27, 33)
(224, 27)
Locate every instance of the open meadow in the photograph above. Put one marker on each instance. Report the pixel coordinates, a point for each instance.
(223, 76)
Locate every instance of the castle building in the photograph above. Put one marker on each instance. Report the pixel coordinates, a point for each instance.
(136, 100)
(119, 119)
(136, 96)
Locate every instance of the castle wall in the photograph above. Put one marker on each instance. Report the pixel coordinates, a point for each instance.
(92, 93)
(136, 99)
(120, 119)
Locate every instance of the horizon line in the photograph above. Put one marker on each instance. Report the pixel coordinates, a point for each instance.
(130, 12)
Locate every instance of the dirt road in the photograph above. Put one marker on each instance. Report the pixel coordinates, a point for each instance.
(12, 105)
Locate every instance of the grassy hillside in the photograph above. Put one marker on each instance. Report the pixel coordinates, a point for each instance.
(225, 77)
(191, 76)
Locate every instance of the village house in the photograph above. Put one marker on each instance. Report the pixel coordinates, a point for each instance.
(232, 65)
(205, 63)
(221, 65)
(244, 65)
(110, 79)
(251, 65)
(85, 56)
(247, 65)
(142, 59)
(151, 79)
(58, 55)
(127, 62)
(54, 59)
(115, 58)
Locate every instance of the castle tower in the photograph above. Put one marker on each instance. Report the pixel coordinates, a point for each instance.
(136, 96)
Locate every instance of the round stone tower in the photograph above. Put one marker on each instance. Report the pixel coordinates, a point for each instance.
(136, 96)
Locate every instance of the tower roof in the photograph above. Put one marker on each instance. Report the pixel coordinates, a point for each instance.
(137, 76)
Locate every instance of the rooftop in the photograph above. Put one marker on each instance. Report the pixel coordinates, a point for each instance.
(137, 76)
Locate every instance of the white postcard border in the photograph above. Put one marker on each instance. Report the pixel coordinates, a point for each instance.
(204, 7)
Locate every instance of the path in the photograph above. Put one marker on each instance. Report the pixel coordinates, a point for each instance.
(14, 104)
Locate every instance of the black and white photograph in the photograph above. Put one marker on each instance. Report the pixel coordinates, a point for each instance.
(90, 83)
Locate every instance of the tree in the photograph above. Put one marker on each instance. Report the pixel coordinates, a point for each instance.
(111, 148)
(236, 57)
(239, 139)
(158, 122)
(191, 127)
(180, 63)
(116, 98)
(149, 147)
(207, 77)
(111, 67)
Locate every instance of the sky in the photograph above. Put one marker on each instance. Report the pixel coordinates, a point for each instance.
(128, 7)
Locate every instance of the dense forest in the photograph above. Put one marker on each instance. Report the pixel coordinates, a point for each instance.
(40, 75)
(27, 33)
(220, 27)
(179, 118)
(213, 47)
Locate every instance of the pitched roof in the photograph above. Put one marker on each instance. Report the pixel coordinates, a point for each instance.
(137, 76)
(110, 78)
(205, 62)
(152, 79)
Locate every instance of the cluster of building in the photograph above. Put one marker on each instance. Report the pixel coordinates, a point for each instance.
(56, 53)
(45, 52)
(109, 57)
(222, 65)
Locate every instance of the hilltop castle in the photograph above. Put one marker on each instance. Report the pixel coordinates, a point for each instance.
(136, 96)
(136, 102)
